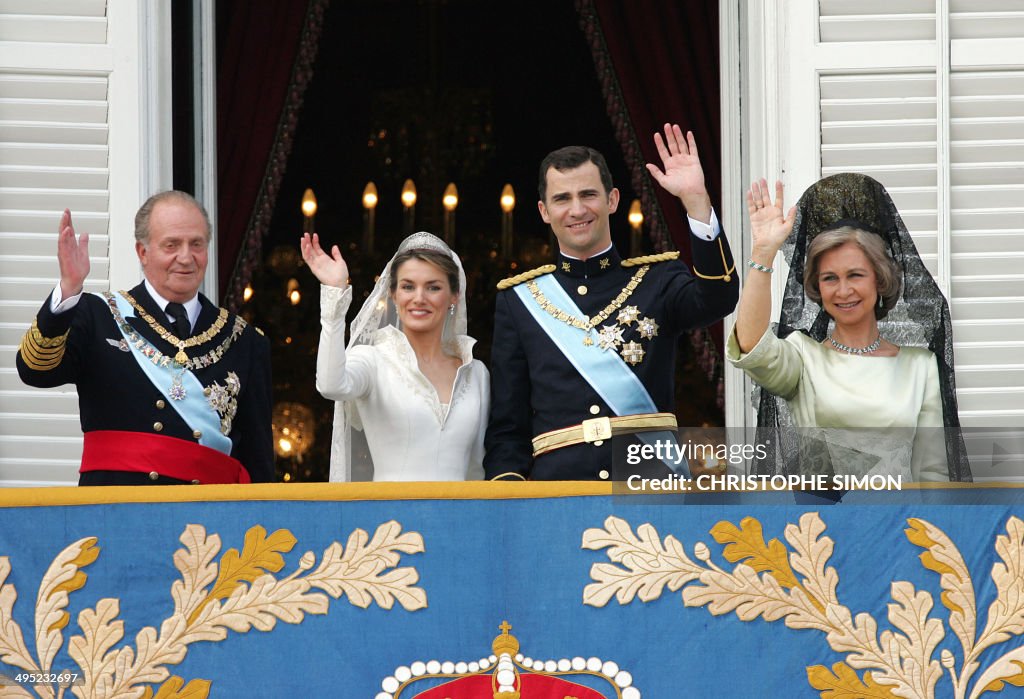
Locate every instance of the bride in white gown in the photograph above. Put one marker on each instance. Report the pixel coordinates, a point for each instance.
(407, 378)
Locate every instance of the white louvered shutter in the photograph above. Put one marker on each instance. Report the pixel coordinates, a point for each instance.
(986, 115)
(928, 98)
(56, 66)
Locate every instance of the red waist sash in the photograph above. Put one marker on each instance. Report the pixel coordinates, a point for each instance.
(112, 450)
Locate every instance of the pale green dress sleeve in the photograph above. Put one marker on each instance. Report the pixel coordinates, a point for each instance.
(773, 364)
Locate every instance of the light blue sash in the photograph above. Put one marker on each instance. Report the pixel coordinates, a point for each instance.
(604, 370)
(193, 409)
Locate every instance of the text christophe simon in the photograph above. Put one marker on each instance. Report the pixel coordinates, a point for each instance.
(673, 453)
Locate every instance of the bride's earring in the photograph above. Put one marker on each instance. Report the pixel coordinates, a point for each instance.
(451, 310)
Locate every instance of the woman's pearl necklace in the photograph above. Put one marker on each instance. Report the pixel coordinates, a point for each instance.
(856, 350)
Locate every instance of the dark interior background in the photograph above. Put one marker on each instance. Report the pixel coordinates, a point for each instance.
(439, 91)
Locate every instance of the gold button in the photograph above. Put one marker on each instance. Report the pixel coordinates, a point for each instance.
(595, 409)
(161, 405)
(581, 290)
(598, 442)
(603, 475)
(197, 434)
(206, 391)
(153, 475)
(158, 426)
(195, 481)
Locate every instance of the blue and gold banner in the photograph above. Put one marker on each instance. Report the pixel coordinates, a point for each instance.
(508, 591)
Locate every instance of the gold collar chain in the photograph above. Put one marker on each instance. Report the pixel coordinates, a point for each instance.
(168, 336)
(587, 324)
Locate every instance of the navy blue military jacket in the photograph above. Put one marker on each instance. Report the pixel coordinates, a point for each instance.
(535, 389)
(114, 393)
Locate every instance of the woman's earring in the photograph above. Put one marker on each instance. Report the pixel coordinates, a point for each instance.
(451, 310)
(880, 300)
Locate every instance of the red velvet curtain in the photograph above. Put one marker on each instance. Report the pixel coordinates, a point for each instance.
(658, 62)
(266, 54)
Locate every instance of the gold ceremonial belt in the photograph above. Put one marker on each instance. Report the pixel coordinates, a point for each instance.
(598, 429)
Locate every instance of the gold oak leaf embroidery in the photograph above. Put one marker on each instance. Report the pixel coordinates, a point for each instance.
(941, 556)
(261, 554)
(746, 545)
(842, 682)
(88, 552)
(239, 595)
(1016, 680)
(901, 659)
(63, 577)
(175, 688)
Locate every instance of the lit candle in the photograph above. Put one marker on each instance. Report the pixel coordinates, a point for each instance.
(449, 201)
(308, 211)
(409, 205)
(369, 216)
(636, 221)
(508, 204)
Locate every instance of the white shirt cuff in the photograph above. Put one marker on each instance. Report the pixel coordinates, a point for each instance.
(59, 304)
(705, 231)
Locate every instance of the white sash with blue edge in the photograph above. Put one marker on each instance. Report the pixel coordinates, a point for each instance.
(193, 409)
(605, 371)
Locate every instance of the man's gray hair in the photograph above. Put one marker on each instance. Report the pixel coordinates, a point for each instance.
(146, 210)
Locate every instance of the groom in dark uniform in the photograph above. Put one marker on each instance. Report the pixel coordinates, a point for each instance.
(171, 389)
(584, 350)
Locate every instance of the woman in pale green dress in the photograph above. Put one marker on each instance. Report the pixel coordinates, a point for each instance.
(859, 403)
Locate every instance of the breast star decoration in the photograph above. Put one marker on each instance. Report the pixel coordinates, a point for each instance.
(224, 400)
(610, 337)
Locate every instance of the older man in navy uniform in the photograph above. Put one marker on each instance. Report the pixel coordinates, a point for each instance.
(584, 349)
(171, 389)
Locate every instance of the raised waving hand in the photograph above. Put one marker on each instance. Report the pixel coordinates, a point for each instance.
(331, 269)
(681, 173)
(769, 228)
(72, 257)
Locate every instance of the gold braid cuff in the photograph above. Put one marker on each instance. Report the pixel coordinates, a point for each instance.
(525, 276)
(728, 270)
(42, 353)
(650, 259)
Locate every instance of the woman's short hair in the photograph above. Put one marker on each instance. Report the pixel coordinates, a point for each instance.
(887, 272)
(435, 257)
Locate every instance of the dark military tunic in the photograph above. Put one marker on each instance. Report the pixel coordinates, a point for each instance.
(115, 395)
(534, 387)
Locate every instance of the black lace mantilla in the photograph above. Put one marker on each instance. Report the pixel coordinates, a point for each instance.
(920, 317)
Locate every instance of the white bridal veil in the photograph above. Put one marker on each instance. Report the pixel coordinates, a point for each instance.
(350, 456)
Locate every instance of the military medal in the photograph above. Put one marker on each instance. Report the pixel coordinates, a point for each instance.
(632, 352)
(181, 357)
(647, 327)
(177, 391)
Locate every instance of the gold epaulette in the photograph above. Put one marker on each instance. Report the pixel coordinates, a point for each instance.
(42, 353)
(525, 276)
(649, 259)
